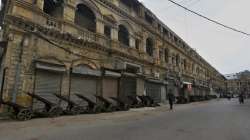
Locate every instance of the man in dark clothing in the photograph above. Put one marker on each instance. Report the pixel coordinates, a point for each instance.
(241, 98)
(229, 97)
(171, 99)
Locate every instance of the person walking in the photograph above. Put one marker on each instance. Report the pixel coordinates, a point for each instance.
(171, 99)
(241, 98)
(229, 97)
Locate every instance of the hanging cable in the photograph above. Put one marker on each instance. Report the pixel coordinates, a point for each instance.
(211, 20)
(62, 48)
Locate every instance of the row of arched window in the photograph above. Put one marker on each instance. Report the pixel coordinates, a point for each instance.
(168, 57)
(86, 18)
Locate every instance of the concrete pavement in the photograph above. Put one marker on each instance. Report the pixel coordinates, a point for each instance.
(213, 120)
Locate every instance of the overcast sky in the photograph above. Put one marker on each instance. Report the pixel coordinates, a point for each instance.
(226, 50)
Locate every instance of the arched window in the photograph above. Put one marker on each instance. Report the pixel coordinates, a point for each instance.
(107, 31)
(85, 17)
(123, 35)
(193, 68)
(173, 59)
(178, 59)
(53, 8)
(150, 46)
(167, 55)
(161, 54)
(137, 44)
(2, 11)
(185, 64)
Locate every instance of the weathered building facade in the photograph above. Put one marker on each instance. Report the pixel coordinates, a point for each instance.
(238, 83)
(104, 47)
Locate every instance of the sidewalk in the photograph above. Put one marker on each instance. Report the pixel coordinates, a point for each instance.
(4, 117)
(133, 112)
(40, 126)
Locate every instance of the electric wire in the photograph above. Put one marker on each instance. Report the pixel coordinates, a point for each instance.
(189, 3)
(209, 19)
(66, 50)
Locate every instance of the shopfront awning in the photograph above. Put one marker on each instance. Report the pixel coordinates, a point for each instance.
(112, 74)
(50, 67)
(129, 74)
(157, 81)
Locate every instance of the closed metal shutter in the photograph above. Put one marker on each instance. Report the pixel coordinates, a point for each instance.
(203, 92)
(84, 85)
(140, 87)
(110, 87)
(47, 83)
(128, 87)
(163, 93)
(154, 91)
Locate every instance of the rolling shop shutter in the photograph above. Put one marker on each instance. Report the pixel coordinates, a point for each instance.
(84, 85)
(154, 91)
(128, 87)
(110, 84)
(110, 87)
(47, 83)
(84, 81)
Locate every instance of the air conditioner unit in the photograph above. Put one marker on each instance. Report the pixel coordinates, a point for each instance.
(157, 75)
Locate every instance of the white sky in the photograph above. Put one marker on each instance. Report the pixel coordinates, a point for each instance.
(226, 50)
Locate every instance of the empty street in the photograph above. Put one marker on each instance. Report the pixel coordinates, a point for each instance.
(212, 120)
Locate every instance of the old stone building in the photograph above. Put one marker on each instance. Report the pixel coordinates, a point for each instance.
(238, 83)
(104, 47)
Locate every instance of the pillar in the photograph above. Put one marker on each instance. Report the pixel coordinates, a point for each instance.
(132, 41)
(114, 33)
(39, 4)
(69, 13)
(99, 26)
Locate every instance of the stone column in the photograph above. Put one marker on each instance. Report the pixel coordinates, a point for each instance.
(40, 3)
(132, 41)
(144, 43)
(115, 2)
(156, 52)
(140, 86)
(69, 12)
(114, 33)
(99, 26)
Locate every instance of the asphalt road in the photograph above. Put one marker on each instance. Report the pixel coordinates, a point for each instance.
(214, 120)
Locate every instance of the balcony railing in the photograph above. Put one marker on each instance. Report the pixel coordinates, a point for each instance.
(86, 35)
(108, 43)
